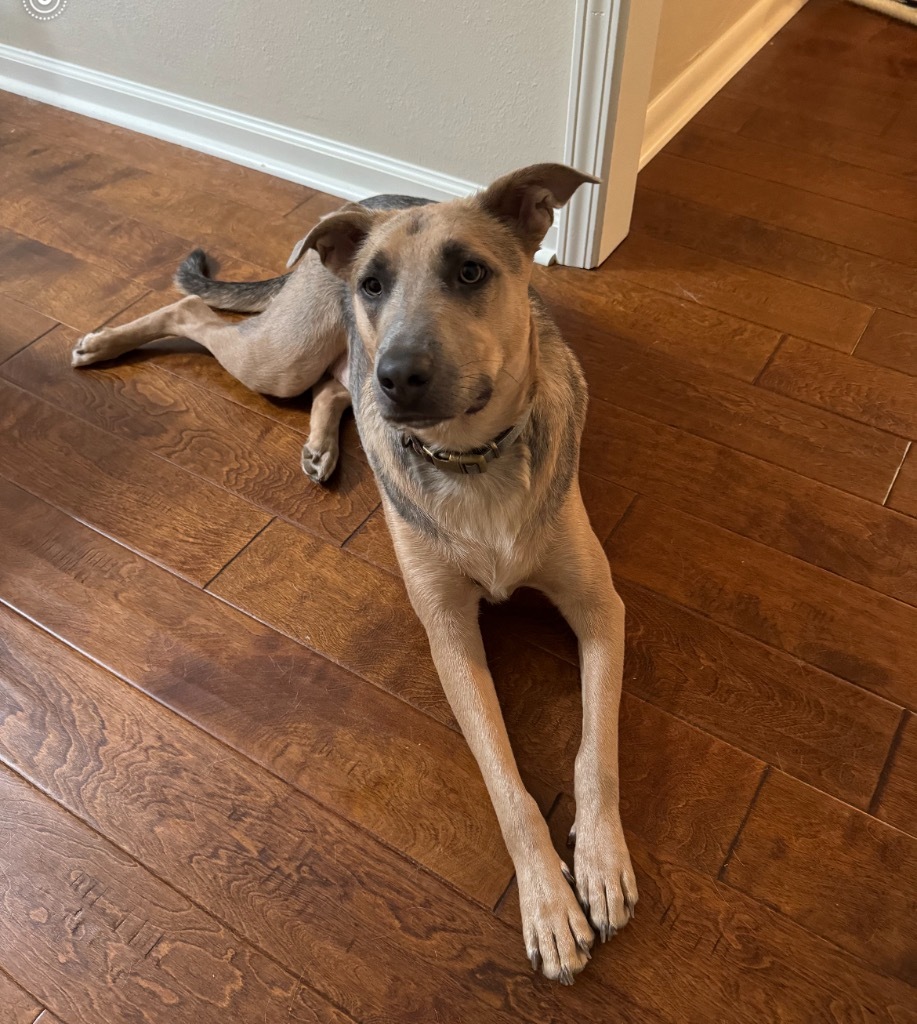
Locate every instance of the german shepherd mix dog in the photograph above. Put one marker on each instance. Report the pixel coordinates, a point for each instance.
(470, 407)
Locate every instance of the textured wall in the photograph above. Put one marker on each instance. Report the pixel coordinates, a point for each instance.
(687, 28)
(470, 89)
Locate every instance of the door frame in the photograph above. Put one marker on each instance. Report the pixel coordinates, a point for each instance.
(614, 46)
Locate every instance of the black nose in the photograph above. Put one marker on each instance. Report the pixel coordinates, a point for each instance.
(404, 375)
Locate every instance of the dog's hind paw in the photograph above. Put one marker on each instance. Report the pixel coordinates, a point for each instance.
(318, 465)
(93, 348)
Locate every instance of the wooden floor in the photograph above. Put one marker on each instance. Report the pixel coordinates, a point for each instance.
(231, 789)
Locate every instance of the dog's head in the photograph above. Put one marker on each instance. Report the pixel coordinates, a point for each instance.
(440, 295)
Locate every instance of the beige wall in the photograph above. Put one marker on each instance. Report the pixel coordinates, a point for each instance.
(686, 30)
(468, 89)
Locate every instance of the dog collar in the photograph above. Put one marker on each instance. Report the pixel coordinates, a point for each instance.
(474, 461)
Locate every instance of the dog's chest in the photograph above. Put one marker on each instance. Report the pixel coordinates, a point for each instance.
(485, 534)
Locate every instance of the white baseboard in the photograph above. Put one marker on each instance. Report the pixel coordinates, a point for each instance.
(311, 160)
(671, 110)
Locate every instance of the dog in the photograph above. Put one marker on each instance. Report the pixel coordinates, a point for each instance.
(470, 408)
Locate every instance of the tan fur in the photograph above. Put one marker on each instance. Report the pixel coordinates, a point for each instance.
(460, 538)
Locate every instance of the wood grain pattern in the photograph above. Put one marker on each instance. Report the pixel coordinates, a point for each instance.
(678, 326)
(819, 444)
(785, 306)
(191, 168)
(725, 112)
(869, 394)
(341, 742)
(60, 286)
(821, 175)
(896, 803)
(783, 206)
(856, 538)
(284, 873)
(18, 1007)
(790, 254)
(828, 621)
(798, 132)
(841, 873)
(248, 455)
(890, 340)
(19, 325)
(904, 494)
(120, 490)
(97, 937)
(715, 954)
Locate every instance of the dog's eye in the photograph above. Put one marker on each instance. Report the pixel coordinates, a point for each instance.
(372, 287)
(472, 273)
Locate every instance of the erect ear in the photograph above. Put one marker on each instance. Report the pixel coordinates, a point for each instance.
(337, 237)
(526, 199)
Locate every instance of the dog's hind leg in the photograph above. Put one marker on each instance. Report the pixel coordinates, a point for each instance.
(256, 352)
(330, 400)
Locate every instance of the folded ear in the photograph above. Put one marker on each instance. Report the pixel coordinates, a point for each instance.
(337, 237)
(526, 199)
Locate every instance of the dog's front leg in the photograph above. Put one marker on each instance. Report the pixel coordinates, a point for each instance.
(557, 935)
(577, 578)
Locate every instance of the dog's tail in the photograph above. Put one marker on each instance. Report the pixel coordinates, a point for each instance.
(239, 296)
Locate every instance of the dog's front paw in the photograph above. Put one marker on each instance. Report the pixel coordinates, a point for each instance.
(604, 876)
(318, 465)
(557, 935)
(92, 348)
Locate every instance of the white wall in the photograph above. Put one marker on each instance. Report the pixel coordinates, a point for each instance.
(468, 89)
(687, 28)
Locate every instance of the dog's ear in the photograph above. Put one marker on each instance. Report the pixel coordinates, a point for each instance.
(337, 237)
(526, 199)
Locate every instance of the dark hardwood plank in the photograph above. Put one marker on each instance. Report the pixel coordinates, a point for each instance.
(248, 455)
(799, 132)
(60, 286)
(295, 881)
(142, 501)
(837, 871)
(784, 206)
(19, 325)
(854, 537)
(896, 803)
(790, 254)
(827, 621)
(904, 126)
(870, 394)
(342, 742)
(813, 725)
(773, 301)
(98, 938)
(829, 448)
(678, 326)
(837, 22)
(726, 113)
(828, 98)
(192, 168)
(904, 494)
(812, 172)
(119, 245)
(18, 1007)
(890, 340)
(711, 953)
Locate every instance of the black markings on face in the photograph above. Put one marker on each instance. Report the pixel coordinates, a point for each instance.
(375, 284)
(465, 273)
